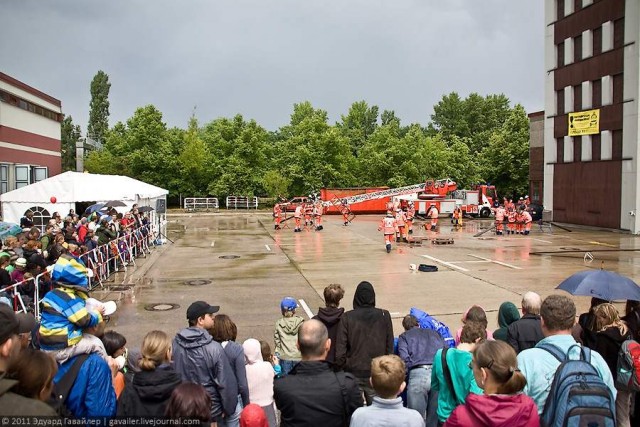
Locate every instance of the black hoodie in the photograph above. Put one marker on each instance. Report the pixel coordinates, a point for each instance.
(149, 392)
(364, 333)
(608, 343)
(330, 316)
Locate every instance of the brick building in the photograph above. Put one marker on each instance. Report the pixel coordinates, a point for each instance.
(29, 134)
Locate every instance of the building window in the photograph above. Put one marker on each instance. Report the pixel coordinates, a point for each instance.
(577, 97)
(568, 7)
(560, 55)
(4, 178)
(607, 36)
(607, 90)
(587, 44)
(40, 173)
(560, 102)
(596, 93)
(597, 41)
(577, 48)
(587, 96)
(560, 9)
(22, 176)
(29, 106)
(586, 3)
(568, 51)
(618, 33)
(41, 216)
(568, 99)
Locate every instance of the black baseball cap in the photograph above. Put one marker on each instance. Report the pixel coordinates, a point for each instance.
(9, 324)
(199, 309)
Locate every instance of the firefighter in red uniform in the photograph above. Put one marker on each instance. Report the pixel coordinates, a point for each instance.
(511, 219)
(317, 214)
(308, 214)
(433, 214)
(523, 219)
(500, 213)
(456, 217)
(344, 210)
(401, 220)
(411, 213)
(527, 201)
(389, 206)
(297, 216)
(388, 226)
(277, 212)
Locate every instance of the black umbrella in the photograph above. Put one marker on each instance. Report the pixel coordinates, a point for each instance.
(143, 209)
(114, 203)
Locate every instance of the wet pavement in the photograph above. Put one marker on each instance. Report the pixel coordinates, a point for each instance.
(237, 261)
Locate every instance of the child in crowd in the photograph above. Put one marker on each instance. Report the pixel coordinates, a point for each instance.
(475, 313)
(387, 379)
(260, 379)
(286, 335)
(267, 356)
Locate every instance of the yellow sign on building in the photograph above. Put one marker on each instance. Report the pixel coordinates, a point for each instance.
(584, 123)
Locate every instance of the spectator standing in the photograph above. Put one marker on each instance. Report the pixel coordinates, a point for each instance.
(507, 314)
(267, 356)
(201, 360)
(475, 313)
(224, 331)
(495, 369)
(611, 333)
(12, 403)
(260, 379)
(191, 401)
(253, 416)
(285, 335)
(34, 370)
(417, 348)
(456, 382)
(526, 332)
(147, 395)
(585, 330)
(387, 379)
(27, 220)
(539, 366)
(330, 315)
(313, 395)
(364, 333)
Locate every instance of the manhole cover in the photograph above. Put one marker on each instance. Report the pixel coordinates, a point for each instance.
(229, 256)
(162, 306)
(197, 282)
(119, 288)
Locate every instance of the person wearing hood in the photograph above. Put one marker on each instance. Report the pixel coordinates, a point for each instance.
(201, 360)
(260, 380)
(285, 335)
(495, 369)
(364, 333)
(254, 416)
(330, 315)
(147, 395)
(611, 332)
(507, 314)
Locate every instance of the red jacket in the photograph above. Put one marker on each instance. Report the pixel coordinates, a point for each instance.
(495, 410)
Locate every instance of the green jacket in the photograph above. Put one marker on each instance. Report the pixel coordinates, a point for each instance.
(286, 337)
(12, 404)
(461, 377)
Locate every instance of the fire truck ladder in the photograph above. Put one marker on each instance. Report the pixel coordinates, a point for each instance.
(359, 198)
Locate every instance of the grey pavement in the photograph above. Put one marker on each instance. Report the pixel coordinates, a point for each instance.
(238, 261)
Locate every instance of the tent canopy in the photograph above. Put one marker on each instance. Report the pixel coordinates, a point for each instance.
(72, 187)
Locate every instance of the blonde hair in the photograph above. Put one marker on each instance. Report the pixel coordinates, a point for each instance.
(607, 316)
(387, 374)
(155, 346)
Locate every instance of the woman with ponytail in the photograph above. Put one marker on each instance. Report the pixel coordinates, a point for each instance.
(495, 369)
(148, 393)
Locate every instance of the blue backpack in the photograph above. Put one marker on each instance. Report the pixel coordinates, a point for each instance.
(427, 322)
(578, 396)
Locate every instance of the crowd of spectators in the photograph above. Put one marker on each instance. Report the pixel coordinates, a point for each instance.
(343, 367)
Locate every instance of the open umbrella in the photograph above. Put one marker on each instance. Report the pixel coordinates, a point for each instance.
(9, 229)
(94, 208)
(143, 209)
(114, 203)
(602, 284)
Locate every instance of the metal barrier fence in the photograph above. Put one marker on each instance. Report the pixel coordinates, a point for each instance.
(242, 202)
(201, 203)
(103, 261)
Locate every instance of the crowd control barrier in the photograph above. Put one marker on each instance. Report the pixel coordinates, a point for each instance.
(201, 203)
(242, 202)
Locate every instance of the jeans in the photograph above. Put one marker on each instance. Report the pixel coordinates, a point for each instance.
(232, 420)
(366, 388)
(419, 394)
(287, 365)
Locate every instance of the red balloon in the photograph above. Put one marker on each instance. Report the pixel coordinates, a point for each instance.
(53, 199)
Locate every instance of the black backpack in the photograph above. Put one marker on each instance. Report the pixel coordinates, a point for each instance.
(63, 387)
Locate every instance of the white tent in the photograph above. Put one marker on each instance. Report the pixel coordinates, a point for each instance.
(71, 187)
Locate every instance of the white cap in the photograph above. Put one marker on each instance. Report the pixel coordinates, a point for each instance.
(108, 306)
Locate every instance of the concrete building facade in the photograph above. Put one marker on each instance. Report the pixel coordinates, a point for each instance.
(592, 63)
(30, 140)
(536, 157)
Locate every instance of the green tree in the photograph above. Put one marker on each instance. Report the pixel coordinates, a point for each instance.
(70, 134)
(359, 123)
(194, 162)
(99, 107)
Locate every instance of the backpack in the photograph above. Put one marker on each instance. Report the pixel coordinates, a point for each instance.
(628, 366)
(62, 388)
(578, 396)
(427, 322)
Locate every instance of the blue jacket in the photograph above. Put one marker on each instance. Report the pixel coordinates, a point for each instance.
(418, 346)
(92, 394)
(201, 360)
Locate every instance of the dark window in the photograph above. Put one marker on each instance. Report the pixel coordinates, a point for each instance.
(577, 148)
(618, 33)
(560, 55)
(616, 145)
(577, 49)
(617, 88)
(577, 98)
(560, 150)
(560, 9)
(597, 41)
(577, 5)
(595, 147)
(560, 105)
(596, 93)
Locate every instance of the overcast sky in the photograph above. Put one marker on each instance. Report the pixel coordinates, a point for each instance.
(259, 57)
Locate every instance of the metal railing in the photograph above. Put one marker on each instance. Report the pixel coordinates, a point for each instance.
(201, 203)
(242, 202)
